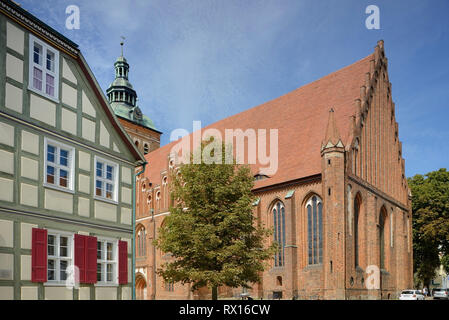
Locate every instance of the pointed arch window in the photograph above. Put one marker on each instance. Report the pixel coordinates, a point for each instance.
(315, 230)
(141, 242)
(355, 157)
(164, 188)
(141, 288)
(158, 200)
(407, 230)
(357, 203)
(382, 218)
(146, 149)
(279, 232)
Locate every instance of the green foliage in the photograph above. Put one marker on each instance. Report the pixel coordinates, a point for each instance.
(211, 232)
(430, 206)
(445, 263)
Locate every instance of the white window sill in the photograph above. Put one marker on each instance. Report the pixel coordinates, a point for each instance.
(58, 188)
(106, 200)
(41, 93)
(103, 284)
(55, 284)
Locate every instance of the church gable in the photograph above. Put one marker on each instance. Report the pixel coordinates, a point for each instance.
(376, 152)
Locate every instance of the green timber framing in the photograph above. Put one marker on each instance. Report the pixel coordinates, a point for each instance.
(79, 117)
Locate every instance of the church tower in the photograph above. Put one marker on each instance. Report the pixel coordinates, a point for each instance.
(124, 102)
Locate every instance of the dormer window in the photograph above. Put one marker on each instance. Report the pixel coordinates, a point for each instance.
(44, 69)
(260, 176)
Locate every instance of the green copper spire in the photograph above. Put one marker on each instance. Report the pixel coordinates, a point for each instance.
(122, 96)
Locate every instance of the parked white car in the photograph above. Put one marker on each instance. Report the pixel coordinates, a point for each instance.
(441, 293)
(411, 294)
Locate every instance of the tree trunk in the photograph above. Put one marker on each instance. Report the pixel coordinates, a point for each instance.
(214, 293)
(427, 285)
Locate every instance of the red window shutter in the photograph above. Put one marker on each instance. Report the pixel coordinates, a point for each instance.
(80, 256)
(39, 255)
(91, 260)
(122, 262)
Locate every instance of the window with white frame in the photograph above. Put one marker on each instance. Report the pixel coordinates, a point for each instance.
(59, 165)
(44, 68)
(106, 183)
(59, 256)
(107, 261)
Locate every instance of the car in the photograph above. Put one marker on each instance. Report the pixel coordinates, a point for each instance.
(411, 294)
(441, 293)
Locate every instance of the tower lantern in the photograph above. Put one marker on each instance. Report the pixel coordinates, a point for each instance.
(123, 100)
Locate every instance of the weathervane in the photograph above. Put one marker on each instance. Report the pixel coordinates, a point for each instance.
(122, 43)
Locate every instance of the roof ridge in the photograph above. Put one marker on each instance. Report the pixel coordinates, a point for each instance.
(279, 97)
(294, 90)
(309, 83)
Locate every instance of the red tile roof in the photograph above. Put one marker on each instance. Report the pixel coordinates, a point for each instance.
(301, 117)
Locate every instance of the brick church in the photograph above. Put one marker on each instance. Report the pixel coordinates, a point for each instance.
(339, 202)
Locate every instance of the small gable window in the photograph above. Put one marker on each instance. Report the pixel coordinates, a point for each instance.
(44, 69)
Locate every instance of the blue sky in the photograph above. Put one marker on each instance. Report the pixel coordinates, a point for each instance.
(208, 59)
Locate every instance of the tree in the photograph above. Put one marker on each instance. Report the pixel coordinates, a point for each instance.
(430, 207)
(211, 232)
(445, 263)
